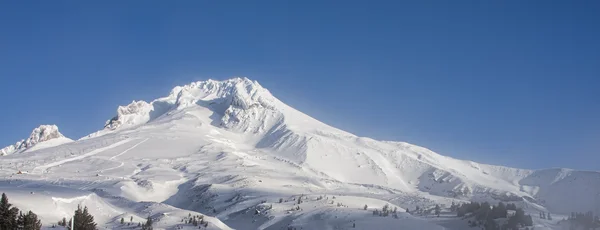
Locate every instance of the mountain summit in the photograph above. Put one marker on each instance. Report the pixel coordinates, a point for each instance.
(43, 133)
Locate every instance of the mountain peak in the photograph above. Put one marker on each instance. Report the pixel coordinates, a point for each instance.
(242, 92)
(225, 96)
(40, 134)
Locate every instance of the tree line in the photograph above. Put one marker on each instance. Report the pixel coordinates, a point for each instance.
(584, 220)
(486, 215)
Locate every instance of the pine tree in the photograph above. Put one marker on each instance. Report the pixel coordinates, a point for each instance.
(437, 210)
(549, 216)
(83, 220)
(365, 208)
(29, 221)
(131, 219)
(148, 224)
(8, 215)
(122, 220)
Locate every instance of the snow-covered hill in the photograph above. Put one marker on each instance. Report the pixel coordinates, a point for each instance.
(41, 137)
(231, 150)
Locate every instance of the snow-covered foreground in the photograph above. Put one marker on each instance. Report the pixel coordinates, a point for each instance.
(231, 151)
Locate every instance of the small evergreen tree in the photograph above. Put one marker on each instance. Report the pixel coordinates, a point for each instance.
(83, 220)
(365, 208)
(122, 220)
(148, 224)
(437, 210)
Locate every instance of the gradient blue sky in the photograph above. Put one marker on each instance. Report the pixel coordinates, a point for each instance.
(504, 82)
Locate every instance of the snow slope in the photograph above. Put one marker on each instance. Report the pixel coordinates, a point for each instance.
(231, 150)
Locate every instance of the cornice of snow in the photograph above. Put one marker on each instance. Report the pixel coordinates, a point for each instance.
(43, 133)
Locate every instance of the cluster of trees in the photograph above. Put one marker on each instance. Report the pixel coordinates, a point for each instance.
(485, 215)
(12, 218)
(82, 220)
(544, 216)
(385, 211)
(585, 220)
(148, 224)
(196, 220)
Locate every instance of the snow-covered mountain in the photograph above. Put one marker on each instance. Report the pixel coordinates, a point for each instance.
(41, 137)
(232, 150)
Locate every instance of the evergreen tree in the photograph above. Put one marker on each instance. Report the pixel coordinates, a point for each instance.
(511, 207)
(437, 210)
(131, 219)
(83, 220)
(29, 221)
(549, 216)
(8, 215)
(365, 208)
(500, 211)
(148, 224)
(453, 207)
(122, 220)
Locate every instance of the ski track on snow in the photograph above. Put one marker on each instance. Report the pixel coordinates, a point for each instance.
(127, 150)
(43, 168)
(120, 154)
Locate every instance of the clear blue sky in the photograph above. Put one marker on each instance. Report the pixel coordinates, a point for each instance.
(504, 82)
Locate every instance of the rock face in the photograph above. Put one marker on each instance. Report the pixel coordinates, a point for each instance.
(40, 134)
